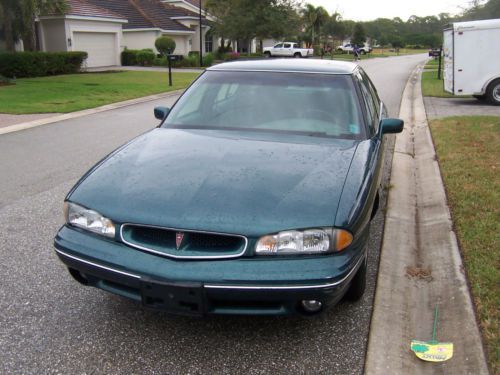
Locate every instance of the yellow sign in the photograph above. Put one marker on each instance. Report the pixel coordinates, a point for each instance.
(432, 351)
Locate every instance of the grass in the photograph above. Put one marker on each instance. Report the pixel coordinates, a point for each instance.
(432, 64)
(432, 86)
(74, 92)
(469, 157)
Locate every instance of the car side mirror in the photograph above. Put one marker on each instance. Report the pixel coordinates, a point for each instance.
(161, 112)
(391, 125)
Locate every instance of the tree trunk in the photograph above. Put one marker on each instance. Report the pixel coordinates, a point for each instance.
(29, 36)
(7, 30)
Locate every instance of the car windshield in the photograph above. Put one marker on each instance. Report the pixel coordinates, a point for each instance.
(309, 104)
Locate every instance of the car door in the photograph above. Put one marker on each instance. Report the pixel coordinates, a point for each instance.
(374, 113)
(287, 49)
(278, 50)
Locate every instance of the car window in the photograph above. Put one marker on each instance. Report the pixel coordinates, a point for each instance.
(295, 45)
(311, 104)
(373, 91)
(369, 102)
(287, 45)
(279, 45)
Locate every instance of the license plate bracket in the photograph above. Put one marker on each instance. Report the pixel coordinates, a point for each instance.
(177, 298)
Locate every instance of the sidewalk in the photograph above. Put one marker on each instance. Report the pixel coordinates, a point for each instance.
(52, 118)
(420, 264)
(8, 120)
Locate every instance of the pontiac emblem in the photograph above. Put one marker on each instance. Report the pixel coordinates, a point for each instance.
(179, 236)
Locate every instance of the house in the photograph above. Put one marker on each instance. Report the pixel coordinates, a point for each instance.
(104, 28)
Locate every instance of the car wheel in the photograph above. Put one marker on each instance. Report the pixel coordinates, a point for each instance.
(493, 92)
(297, 55)
(358, 283)
(363, 52)
(267, 54)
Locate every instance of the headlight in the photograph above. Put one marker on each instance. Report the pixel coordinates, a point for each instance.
(87, 219)
(310, 241)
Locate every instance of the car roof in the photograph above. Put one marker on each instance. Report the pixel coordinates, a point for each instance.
(288, 65)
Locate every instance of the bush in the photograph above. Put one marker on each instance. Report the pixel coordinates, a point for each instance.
(39, 64)
(231, 56)
(145, 57)
(194, 53)
(187, 62)
(208, 59)
(160, 61)
(129, 57)
(165, 45)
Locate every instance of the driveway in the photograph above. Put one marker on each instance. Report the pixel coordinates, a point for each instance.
(51, 324)
(446, 107)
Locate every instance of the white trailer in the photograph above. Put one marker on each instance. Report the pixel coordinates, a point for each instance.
(472, 59)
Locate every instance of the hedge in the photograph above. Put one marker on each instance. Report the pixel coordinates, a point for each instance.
(143, 57)
(39, 64)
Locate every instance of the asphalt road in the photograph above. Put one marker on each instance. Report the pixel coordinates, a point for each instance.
(51, 324)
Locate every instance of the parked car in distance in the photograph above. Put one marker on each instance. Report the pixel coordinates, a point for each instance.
(349, 48)
(434, 52)
(287, 49)
(253, 196)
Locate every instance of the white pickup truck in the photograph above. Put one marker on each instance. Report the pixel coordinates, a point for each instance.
(289, 49)
(349, 48)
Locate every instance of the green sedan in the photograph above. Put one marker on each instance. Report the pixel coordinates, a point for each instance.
(253, 196)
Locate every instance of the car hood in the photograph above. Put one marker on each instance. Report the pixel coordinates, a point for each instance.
(228, 182)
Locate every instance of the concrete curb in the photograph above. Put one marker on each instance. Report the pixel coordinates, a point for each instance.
(86, 112)
(419, 235)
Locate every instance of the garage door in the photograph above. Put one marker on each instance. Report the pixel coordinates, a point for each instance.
(101, 47)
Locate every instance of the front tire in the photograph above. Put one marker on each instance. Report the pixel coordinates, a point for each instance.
(493, 92)
(358, 283)
(267, 54)
(363, 52)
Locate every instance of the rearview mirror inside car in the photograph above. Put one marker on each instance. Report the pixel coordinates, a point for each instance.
(161, 112)
(391, 125)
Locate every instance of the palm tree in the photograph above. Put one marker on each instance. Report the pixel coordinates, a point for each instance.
(19, 19)
(314, 19)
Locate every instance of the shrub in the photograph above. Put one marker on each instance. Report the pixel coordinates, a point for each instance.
(231, 56)
(129, 57)
(186, 62)
(145, 57)
(39, 64)
(165, 45)
(160, 61)
(208, 59)
(194, 53)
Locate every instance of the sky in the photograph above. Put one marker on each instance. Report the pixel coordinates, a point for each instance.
(366, 10)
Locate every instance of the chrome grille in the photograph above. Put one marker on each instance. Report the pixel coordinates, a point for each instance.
(194, 244)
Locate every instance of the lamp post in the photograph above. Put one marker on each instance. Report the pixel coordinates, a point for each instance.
(201, 39)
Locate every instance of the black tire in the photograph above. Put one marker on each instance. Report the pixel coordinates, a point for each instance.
(267, 54)
(493, 92)
(480, 97)
(297, 55)
(363, 52)
(358, 283)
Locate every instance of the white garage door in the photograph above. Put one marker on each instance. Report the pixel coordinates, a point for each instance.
(101, 48)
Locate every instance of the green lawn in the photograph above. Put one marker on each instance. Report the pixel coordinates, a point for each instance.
(432, 86)
(469, 156)
(69, 93)
(432, 64)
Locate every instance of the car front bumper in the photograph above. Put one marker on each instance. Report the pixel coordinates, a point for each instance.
(240, 286)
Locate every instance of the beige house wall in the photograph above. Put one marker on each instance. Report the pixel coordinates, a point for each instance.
(53, 35)
(140, 39)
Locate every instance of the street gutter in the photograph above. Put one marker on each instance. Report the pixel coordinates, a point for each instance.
(86, 112)
(420, 265)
